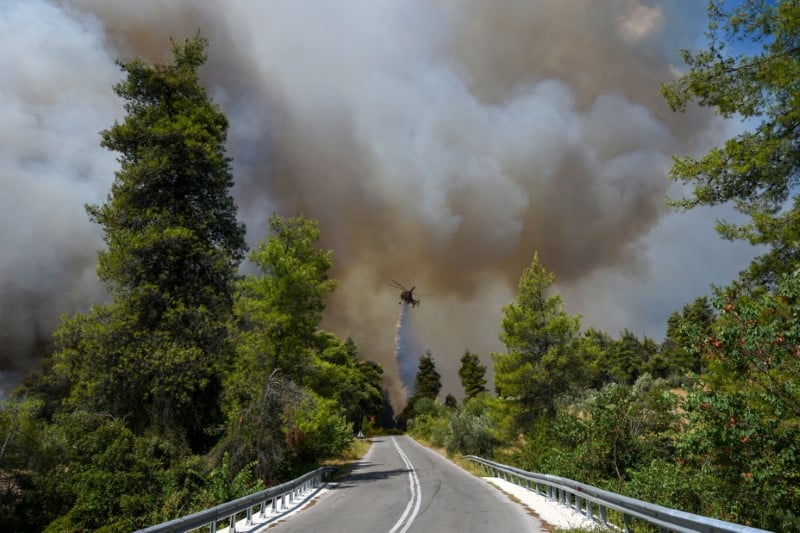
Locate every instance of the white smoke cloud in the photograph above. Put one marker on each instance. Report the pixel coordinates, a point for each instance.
(54, 98)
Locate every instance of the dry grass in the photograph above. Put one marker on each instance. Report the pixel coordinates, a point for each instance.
(470, 466)
(345, 461)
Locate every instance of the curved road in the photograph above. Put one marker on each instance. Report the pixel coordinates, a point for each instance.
(400, 486)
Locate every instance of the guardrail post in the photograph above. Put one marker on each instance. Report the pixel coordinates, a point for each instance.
(627, 519)
(249, 521)
(603, 516)
(232, 527)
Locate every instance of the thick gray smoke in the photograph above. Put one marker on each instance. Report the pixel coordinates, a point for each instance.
(441, 142)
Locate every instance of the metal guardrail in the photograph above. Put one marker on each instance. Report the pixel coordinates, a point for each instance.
(595, 503)
(243, 507)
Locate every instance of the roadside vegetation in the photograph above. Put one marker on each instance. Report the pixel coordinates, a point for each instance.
(193, 385)
(708, 420)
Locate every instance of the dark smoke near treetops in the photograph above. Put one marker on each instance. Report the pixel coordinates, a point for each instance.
(440, 143)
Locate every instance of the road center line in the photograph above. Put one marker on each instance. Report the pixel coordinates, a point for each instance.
(405, 519)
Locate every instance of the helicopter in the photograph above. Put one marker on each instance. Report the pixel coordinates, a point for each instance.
(406, 295)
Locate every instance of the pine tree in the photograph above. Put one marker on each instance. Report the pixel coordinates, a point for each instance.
(541, 362)
(450, 401)
(154, 356)
(278, 312)
(472, 374)
(758, 170)
(684, 331)
(428, 382)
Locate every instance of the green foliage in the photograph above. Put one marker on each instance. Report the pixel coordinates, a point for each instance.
(356, 385)
(173, 247)
(225, 484)
(758, 170)
(683, 331)
(472, 374)
(744, 420)
(428, 381)
(470, 431)
(537, 451)
(594, 350)
(755, 341)
(256, 430)
(85, 471)
(465, 430)
(616, 429)
(316, 428)
(427, 420)
(750, 457)
(541, 363)
(287, 428)
(126, 427)
(278, 312)
(450, 401)
(667, 483)
(21, 435)
(627, 358)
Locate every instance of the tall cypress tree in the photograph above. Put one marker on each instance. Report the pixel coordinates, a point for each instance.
(155, 354)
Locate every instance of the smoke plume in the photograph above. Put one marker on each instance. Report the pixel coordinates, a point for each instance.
(439, 142)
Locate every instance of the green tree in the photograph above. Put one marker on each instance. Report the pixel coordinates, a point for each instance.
(759, 169)
(748, 455)
(627, 358)
(291, 384)
(428, 381)
(595, 348)
(754, 345)
(743, 416)
(450, 401)
(541, 363)
(278, 312)
(472, 374)
(683, 330)
(354, 384)
(615, 430)
(154, 355)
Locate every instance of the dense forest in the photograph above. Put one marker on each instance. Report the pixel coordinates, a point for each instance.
(194, 384)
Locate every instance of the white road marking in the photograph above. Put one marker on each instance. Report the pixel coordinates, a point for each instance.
(405, 519)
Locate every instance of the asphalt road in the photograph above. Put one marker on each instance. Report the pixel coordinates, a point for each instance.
(400, 486)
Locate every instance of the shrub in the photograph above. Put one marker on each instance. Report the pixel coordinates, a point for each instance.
(469, 434)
